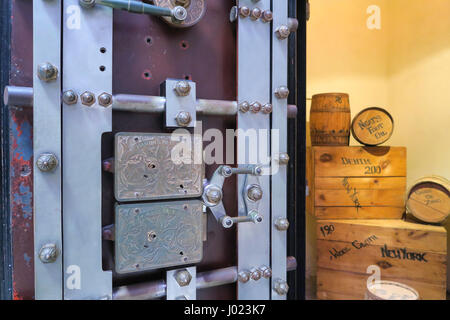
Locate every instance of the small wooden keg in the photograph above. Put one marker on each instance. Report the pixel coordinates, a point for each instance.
(389, 290)
(329, 120)
(372, 126)
(429, 199)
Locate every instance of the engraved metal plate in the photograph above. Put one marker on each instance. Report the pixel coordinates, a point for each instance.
(144, 169)
(158, 235)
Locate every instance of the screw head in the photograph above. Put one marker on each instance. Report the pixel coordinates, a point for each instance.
(254, 193)
(244, 276)
(87, 98)
(214, 195)
(227, 222)
(255, 274)
(283, 158)
(183, 277)
(281, 224)
(256, 217)
(244, 106)
(48, 253)
(47, 72)
(266, 271)
(47, 162)
(179, 13)
(267, 108)
(255, 107)
(70, 97)
(267, 16)
(255, 14)
(105, 99)
(280, 287)
(226, 171)
(282, 32)
(183, 118)
(244, 12)
(282, 92)
(182, 88)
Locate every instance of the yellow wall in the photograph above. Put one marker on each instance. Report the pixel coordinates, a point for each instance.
(403, 67)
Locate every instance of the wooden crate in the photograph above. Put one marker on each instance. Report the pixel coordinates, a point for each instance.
(409, 253)
(356, 182)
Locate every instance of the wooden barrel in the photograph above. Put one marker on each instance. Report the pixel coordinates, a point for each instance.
(429, 199)
(372, 126)
(329, 120)
(389, 290)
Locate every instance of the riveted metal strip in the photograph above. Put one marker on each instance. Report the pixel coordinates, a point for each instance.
(47, 139)
(279, 123)
(87, 58)
(253, 86)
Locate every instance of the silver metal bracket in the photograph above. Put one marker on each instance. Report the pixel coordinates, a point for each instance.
(180, 103)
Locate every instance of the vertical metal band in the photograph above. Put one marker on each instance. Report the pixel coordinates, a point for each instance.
(47, 139)
(87, 58)
(253, 86)
(279, 122)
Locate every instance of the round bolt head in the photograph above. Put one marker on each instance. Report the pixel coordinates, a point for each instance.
(87, 98)
(244, 12)
(244, 276)
(255, 14)
(257, 171)
(214, 195)
(280, 287)
(179, 13)
(48, 253)
(292, 24)
(105, 99)
(227, 222)
(267, 108)
(267, 16)
(47, 72)
(254, 193)
(255, 274)
(233, 13)
(182, 88)
(282, 32)
(226, 171)
(244, 106)
(281, 224)
(256, 217)
(282, 92)
(255, 107)
(183, 278)
(87, 3)
(47, 162)
(183, 118)
(70, 97)
(283, 158)
(265, 271)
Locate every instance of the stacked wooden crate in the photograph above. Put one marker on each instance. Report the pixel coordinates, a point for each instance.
(357, 195)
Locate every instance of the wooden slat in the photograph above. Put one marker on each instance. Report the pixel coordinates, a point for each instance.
(360, 213)
(386, 197)
(327, 183)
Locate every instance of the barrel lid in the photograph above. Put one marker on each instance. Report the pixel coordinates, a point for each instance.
(372, 126)
(390, 290)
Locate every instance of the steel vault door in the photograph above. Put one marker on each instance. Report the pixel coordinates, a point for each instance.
(105, 191)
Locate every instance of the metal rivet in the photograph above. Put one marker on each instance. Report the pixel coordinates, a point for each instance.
(280, 287)
(226, 171)
(255, 107)
(244, 276)
(292, 24)
(87, 3)
(87, 98)
(226, 221)
(244, 12)
(267, 108)
(267, 16)
(282, 92)
(47, 72)
(283, 158)
(48, 253)
(182, 88)
(281, 224)
(266, 271)
(105, 99)
(179, 13)
(282, 32)
(255, 14)
(214, 195)
(70, 97)
(244, 106)
(47, 162)
(254, 193)
(183, 277)
(183, 118)
(255, 274)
